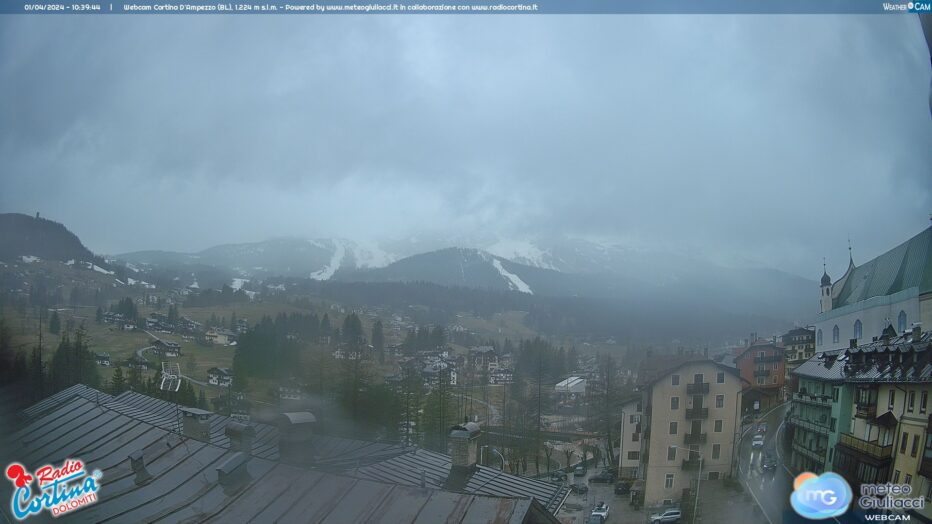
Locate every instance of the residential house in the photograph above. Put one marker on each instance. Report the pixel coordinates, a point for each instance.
(762, 366)
(222, 377)
(220, 336)
(103, 359)
(799, 346)
(629, 449)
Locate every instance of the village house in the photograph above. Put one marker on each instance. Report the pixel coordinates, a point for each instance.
(166, 348)
(222, 377)
(103, 359)
(220, 336)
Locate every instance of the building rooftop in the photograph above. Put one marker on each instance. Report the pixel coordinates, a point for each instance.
(908, 265)
(184, 485)
(377, 461)
(903, 358)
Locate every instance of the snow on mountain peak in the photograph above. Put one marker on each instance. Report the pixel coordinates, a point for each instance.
(523, 252)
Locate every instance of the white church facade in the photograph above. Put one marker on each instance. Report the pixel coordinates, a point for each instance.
(894, 289)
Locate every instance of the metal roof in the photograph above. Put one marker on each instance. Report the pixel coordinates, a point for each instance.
(379, 461)
(184, 484)
(908, 265)
(898, 359)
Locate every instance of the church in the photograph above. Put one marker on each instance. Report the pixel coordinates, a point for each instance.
(894, 289)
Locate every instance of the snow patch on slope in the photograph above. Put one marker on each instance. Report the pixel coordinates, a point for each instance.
(99, 269)
(514, 281)
(523, 252)
(238, 283)
(339, 252)
(29, 259)
(370, 255)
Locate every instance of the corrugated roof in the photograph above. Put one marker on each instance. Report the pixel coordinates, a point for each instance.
(184, 484)
(908, 265)
(380, 461)
(898, 359)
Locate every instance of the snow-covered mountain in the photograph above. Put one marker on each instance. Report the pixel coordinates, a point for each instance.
(293, 257)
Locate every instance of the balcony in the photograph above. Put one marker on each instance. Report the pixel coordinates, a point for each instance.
(696, 438)
(871, 449)
(925, 468)
(815, 454)
(690, 464)
(771, 358)
(699, 388)
(761, 372)
(817, 427)
(815, 400)
(865, 410)
(697, 413)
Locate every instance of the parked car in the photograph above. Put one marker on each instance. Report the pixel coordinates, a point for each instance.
(762, 428)
(557, 476)
(579, 489)
(601, 509)
(580, 471)
(768, 462)
(622, 488)
(757, 441)
(606, 477)
(670, 515)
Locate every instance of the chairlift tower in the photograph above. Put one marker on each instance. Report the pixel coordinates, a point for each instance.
(171, 382)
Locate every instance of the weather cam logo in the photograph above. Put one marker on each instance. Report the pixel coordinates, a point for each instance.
(820, 497)
(60, 490)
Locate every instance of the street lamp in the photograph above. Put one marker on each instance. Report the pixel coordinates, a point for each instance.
(497, 453)
(698, 480)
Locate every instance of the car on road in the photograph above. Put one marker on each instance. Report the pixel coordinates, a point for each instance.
(670, 515)
(557, 476)
(601, 509)
(604, 476)
(622, 488)
(580, 471)
(768, 462)
(579, 489)
(762, 428)
(757, 441)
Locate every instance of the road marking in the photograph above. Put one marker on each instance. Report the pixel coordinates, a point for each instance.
(782, 463)
(761, 506)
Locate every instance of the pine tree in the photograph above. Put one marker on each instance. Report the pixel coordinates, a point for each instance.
(135, 379)
(378, 340)
(118, 383)
(100, 314)
(202, 400)
(54, 323)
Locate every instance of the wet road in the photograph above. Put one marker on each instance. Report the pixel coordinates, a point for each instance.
(770, 489)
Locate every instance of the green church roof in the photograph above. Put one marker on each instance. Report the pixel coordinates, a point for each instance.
(906, 266)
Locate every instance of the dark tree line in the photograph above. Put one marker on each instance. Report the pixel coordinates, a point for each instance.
(212, 297)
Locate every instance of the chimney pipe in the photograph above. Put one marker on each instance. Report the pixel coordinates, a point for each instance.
(852, 343)
(464, 440)
(241, 436)
(917, 331)
(138, 465)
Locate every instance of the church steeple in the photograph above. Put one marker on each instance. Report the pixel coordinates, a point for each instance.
(825, 299)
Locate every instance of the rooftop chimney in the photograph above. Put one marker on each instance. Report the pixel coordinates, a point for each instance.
(233, 471)
(917, 331)
(464, 440)
(852, 343)
(241, 436)
(196, 423)
(295, 432)
(138, 465)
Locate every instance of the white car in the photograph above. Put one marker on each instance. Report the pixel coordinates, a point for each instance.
(601, 510)
(757, 441)
(670, 515)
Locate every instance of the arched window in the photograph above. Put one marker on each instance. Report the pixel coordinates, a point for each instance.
(901, 322)
(835, 334)
(857, 329)
(819, 338)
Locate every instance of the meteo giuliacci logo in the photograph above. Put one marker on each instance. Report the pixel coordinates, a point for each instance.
(58, 490)
(820, 497)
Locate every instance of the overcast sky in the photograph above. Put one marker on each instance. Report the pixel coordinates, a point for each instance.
(761, 140)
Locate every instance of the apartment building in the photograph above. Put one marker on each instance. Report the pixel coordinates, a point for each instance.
(689, 423)
(864, 413)
(762, 366)
(629, 449)
(798, 346)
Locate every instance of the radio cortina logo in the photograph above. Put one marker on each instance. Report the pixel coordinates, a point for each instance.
(820, 497)
(58, 490)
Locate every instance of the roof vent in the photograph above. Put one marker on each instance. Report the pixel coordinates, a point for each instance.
(232, 472)
(241, 436)
(853, 343)
(138, 465)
